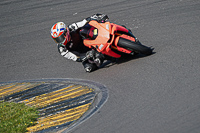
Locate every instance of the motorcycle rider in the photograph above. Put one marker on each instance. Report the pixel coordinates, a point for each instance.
(70, 45)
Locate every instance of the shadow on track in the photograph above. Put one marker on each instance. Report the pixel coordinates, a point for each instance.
(124, 58)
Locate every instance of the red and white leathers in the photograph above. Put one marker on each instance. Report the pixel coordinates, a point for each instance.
(69, 41)
(74, 49)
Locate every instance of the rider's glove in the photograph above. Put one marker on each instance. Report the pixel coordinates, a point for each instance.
(98, 17)
(73, 27)
(62, 49)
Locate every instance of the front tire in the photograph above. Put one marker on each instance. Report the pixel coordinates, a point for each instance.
(135, 46)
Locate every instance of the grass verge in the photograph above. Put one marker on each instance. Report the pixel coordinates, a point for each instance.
(16, 117)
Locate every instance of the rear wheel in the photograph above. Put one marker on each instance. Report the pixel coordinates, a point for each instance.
(135, 46)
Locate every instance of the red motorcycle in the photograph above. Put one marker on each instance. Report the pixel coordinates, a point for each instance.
(111, 39)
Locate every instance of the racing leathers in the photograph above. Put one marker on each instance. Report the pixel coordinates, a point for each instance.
(75, 49)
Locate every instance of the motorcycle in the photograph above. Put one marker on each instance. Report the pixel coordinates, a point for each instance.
(111, 37)
(112, 40)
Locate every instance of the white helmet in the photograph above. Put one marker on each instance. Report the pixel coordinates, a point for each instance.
(60, 33)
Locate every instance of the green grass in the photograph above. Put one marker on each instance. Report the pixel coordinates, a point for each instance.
(16, 117)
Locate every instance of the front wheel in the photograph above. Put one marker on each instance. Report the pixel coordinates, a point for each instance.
(135, 46)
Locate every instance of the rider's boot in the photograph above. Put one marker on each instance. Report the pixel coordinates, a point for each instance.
(89, 67)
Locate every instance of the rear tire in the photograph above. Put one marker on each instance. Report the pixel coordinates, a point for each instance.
(135, 46)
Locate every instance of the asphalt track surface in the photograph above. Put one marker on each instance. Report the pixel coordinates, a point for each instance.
(155, 94)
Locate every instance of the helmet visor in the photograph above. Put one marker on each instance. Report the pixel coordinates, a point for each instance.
(59, 39)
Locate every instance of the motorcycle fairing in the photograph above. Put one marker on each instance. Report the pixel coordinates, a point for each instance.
(105, 39)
